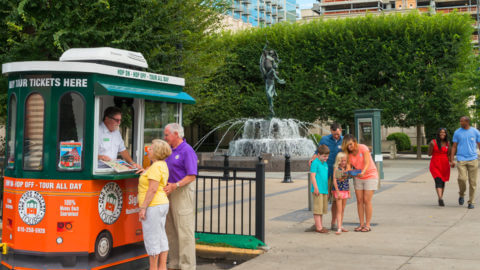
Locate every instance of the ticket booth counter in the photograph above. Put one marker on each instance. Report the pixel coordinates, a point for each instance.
(62, 208)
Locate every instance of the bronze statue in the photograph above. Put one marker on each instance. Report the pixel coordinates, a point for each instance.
(268, 66)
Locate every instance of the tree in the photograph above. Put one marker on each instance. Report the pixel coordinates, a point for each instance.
(174, 36)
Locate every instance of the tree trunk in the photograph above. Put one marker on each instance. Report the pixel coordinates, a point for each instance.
(419, 141)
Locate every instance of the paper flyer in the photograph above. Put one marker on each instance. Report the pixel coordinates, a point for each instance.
(120, 165)
(70, 155)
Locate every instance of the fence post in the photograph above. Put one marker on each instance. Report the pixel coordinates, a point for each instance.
(226, 172)
(287, 177)
(260, 201)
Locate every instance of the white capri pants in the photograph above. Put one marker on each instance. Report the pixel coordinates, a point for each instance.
(153, 227)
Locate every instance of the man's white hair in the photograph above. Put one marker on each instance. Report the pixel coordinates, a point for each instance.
(176, 127)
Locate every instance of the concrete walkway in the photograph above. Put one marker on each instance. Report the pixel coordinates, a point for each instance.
(409, 230)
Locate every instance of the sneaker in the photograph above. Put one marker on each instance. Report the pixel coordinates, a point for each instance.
(461, 200)
(440, 202)
(470, 206)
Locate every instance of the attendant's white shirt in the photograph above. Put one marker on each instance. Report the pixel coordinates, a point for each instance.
(109, 143)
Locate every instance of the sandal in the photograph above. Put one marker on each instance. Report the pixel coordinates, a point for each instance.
(358, 229)
(366, 229)
(323, 230)
(339, 232)
(344, 230)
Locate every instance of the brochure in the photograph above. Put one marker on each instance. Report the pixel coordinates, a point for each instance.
(70, 155)
(120, 165)
(354, 172)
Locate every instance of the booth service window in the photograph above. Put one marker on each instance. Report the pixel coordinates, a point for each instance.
(34, 130)
(157, 116)
(12, 124)
(71, 131)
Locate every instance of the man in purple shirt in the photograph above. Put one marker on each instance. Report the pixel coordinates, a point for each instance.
(182, 167)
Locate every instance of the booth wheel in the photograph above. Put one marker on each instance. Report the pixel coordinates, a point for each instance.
(103, 246)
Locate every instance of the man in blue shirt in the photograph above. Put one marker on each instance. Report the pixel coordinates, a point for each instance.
(334, 144)
(465, 141)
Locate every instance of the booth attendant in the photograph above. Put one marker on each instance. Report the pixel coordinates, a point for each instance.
(110, 140)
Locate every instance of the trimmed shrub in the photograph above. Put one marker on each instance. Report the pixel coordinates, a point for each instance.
(423, 147)
(401, 140)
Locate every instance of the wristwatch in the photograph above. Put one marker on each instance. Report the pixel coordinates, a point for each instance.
(178, 184)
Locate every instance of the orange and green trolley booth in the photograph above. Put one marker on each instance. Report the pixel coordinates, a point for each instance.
(62, 209)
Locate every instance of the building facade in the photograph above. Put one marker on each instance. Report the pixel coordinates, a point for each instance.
(264, 12)
(351, 8)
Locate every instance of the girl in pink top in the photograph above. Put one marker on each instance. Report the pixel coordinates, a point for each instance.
(365, 182)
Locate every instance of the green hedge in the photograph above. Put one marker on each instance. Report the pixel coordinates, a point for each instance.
(401, 140)
(333, 67)
(423, 147)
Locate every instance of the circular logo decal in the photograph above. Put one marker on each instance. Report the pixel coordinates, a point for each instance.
(31, 207)
(110, 203)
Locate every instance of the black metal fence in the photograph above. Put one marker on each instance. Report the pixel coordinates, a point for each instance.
(231, 200)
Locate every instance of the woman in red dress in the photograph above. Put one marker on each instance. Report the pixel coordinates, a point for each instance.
(439, 149)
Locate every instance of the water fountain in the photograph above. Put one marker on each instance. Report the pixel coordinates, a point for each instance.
(271, 138)
(275, 136)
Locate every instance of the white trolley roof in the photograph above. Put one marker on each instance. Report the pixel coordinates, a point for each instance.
(105, 54)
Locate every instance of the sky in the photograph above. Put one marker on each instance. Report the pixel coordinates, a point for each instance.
(305, 4)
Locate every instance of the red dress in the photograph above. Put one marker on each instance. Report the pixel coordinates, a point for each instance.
(439, 166)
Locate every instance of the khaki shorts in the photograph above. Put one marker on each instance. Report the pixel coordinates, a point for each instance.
(366, 184)
(320, 204)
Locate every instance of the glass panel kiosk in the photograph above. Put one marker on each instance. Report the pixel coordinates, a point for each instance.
(367, 130)
(63, 208)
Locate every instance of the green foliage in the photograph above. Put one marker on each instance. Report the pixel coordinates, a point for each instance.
(423, 148)
(315, 138)
(401, 140)
(402, 64)
(174, 36)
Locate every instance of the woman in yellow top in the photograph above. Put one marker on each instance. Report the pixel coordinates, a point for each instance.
(153, 202)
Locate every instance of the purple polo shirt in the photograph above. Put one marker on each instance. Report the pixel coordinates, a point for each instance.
(182, 162)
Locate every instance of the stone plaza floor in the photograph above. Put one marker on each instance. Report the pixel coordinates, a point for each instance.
(409, 229)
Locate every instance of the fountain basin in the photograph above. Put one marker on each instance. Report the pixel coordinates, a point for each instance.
(272, 163)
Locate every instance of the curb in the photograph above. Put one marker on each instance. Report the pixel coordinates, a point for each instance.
(231, 253)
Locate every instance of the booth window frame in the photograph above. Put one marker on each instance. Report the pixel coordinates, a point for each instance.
(12, 130)
(137, 124)
(42, 160)
(58, 132)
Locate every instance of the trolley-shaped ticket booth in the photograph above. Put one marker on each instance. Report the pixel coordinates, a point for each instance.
(62, 209)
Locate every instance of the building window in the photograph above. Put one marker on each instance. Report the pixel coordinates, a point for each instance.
(12, 125)
(71, 130)
(34, 130)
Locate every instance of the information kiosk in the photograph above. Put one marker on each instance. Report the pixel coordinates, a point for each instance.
(367, 130)
(61, 208)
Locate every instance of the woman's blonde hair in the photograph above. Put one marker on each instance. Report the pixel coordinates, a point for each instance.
(338, 159)
(346, 141)
(161, 149)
